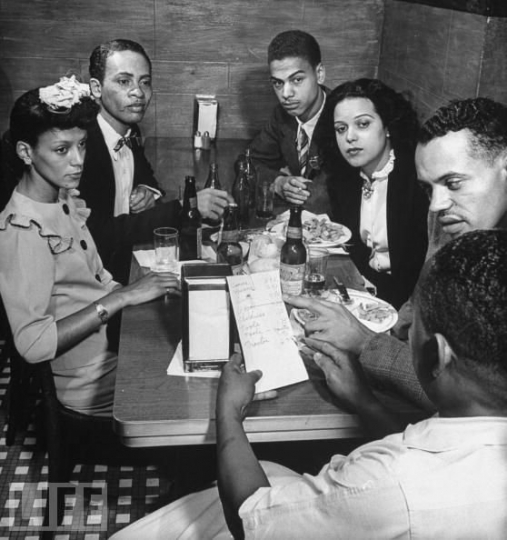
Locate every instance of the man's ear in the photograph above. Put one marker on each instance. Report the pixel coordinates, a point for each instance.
(96, 88)
(321, 73)
(24, 152)
(445, 355)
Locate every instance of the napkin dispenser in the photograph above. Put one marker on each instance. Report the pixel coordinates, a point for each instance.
(206, 115)
(208, 327)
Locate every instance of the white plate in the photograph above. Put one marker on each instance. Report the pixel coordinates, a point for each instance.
(360, 301)
(280, 229)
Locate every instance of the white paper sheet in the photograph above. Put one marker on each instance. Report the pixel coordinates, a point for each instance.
(265, 331)
(146, 257)
(176, 367)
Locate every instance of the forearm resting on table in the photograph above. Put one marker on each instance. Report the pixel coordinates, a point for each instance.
(76, 327)
(239, 471)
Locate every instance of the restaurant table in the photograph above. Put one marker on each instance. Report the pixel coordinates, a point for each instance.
(152, 408)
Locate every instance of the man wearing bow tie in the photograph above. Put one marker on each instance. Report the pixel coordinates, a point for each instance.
(118, 183)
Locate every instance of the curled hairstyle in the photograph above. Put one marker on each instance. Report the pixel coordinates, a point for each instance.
(484, 118)
(102, 52)
(30, 118)
(463, 296)
(395, 111)
(294, 44)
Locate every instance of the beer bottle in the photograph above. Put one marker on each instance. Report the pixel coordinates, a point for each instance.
(213, 181)
(229, 250)
(293, 255)
(242, 196)
(251, 175)
(190, 239)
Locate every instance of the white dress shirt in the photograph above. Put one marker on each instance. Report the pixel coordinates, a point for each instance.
(373, 222)
(123, 167)
(309, 126)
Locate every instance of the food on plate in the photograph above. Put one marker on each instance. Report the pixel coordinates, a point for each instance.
(321, 230)
(373, 312)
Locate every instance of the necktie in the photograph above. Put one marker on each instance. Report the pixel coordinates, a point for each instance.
(124, 141)
(303, 144)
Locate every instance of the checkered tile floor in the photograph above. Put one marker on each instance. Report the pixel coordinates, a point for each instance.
(106, 499)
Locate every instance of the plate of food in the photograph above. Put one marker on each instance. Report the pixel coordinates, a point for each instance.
(373, 312)
(317, 230)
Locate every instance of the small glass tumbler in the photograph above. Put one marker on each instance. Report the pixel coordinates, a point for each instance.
(315, 271)
(264, 200)
(165, 241)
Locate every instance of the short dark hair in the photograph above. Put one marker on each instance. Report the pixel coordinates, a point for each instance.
(102, 52)
(295, 44)
(395, 110)
(485, 119)
(462, 294)
(30, 118)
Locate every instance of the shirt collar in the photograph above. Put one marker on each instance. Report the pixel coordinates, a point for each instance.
(384, 173)
(309, 125)
(111, 136)
(442, 434)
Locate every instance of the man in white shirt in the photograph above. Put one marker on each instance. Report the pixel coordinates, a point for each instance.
(118, 183)
(445, 477)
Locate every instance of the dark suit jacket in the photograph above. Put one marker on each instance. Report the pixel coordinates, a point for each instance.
(115, 236)
(407, 210)
(275, 147)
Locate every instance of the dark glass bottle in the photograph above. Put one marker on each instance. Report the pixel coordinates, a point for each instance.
(229, 250)
(213, 181)
(251, 175)
(293, 255)
(190, 239)
(242, 196)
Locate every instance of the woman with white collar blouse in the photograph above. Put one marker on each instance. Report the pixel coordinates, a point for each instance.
(373, 187)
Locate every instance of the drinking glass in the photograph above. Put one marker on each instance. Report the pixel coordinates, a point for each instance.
(264, 200)
(315, 271)
(165, 240)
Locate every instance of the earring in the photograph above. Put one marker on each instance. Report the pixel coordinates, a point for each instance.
(28, 161)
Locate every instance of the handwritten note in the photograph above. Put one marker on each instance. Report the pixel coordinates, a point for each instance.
(265, 331)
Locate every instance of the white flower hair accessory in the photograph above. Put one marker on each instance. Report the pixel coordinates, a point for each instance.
(63, 95)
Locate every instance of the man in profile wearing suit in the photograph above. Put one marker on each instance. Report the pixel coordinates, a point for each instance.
(118, 183)
(288, 150)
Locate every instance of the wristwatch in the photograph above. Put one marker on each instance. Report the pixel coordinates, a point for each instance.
(101, 312)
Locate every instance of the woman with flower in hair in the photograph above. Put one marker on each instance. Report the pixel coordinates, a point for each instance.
(374, 189)
(57, 295)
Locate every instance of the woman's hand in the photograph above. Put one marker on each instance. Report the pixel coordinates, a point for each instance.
(293, 189)
(151, 286)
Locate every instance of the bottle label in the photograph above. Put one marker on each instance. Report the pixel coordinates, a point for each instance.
(291, 278)
(230, 236)
(294, 232)
(192, 201)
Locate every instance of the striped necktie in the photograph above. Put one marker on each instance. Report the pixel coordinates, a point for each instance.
(303, 144)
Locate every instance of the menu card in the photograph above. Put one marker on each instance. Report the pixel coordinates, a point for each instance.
(265, 331)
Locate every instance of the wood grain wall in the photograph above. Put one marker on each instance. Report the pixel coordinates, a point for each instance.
(197, 46)
(439, 54)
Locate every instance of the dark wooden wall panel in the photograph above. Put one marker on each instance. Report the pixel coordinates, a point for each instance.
(435, 54)
(494, 72)
(197, 46)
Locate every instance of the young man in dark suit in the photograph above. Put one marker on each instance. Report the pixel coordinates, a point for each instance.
(288, 150)
(118, 183)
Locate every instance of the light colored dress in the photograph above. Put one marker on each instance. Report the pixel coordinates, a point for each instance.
(49, 269)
